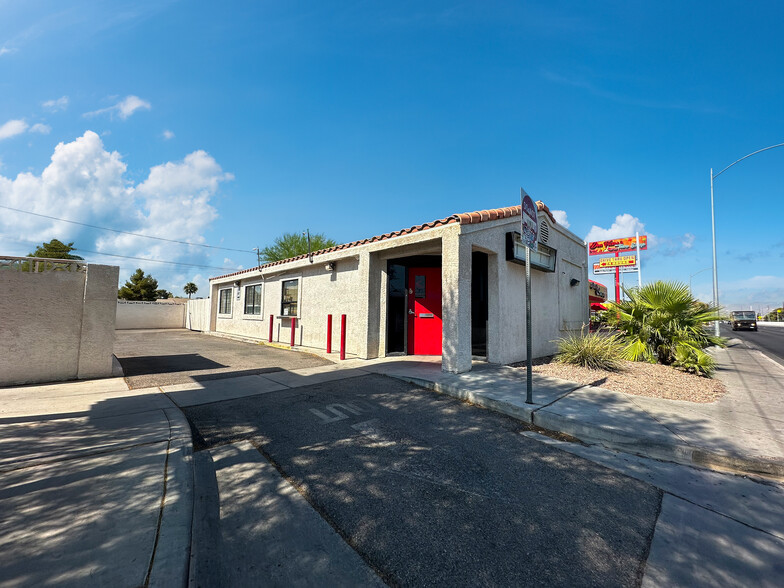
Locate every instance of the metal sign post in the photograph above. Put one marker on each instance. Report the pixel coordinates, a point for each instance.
(529, 229)
(529, 378)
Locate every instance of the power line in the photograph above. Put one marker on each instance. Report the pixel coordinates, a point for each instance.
(123, 232)
(230, 269)
(156, 260)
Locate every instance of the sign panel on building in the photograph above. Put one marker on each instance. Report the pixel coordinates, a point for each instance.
(617, 245)
(597, 290)
(622, 261)
(530, 222)
(611, 270)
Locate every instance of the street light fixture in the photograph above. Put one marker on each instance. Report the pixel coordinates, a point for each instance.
(694, 274)
(713, 223)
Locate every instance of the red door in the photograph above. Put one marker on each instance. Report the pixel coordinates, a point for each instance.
(424, 311)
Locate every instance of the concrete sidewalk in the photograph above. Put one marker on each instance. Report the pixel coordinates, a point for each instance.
(96, 486)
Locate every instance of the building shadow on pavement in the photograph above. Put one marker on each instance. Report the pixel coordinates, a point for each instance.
(82, 491)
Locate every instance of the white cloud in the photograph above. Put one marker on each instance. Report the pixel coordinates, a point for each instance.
(86, 183)
(124, 108)
(131, 104)
(167, 134)
(560, 218)
(6, 50)
(41, 128)
(56, 105)
(173, 202)
(625, 225)
(12, 128)
(672, 247)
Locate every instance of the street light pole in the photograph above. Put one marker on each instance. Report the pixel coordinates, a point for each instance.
(715, 266)
(713, 224)
(696, 273)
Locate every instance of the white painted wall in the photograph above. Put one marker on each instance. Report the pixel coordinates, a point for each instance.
(150, 315)
(357, 288)
(57, 325)
(321, 292)
(557, 308)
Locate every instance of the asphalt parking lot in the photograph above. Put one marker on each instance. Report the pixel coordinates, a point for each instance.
(161, 357)
(428, 490)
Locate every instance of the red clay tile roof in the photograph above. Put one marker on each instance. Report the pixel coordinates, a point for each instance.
(466, 218)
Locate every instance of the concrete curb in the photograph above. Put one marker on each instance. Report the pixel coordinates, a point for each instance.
(674, 452)
(205, 535)
(612, 438)
(171, 558)
(519, 412)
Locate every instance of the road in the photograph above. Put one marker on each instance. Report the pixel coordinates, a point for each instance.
(769, 339)
(428, 490)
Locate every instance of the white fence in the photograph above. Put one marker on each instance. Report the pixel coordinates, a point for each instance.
(197, 315)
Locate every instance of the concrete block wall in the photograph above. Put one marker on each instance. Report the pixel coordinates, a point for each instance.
(98, 321)
(57, 325)
(149, 315)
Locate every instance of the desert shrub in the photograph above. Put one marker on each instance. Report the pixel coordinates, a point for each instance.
(694, 361)
(662, 323)
(597, 351)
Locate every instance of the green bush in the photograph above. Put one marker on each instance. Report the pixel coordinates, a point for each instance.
(597, 351)
(662, 323)
(694, 361)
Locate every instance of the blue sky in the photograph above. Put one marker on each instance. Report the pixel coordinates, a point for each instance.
(230, 123)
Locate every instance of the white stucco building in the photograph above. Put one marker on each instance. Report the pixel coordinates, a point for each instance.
(453, 287)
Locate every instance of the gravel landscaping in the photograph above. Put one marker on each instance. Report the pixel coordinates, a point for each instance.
(639, 379)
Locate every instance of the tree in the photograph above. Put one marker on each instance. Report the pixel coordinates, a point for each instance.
(139, 287)
(662, 323)
(190, 288)
(163, 294)
(55, 249)
(292, 245)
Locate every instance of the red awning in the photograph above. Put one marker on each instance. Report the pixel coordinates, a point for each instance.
(597, 306)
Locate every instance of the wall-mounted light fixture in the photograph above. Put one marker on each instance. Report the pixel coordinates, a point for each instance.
(573, 282)
(329, 266)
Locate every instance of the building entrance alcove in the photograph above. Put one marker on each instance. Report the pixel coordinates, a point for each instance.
(414, 305)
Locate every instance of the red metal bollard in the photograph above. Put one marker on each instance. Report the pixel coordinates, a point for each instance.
(293, 329)
(329, 333)
(342, 336)
(270, 334)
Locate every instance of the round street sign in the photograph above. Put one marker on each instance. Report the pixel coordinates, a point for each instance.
(530, 223)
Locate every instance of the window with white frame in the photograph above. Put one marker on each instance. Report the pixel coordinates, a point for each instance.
(289, 298)
(224, 301)
(253, 299)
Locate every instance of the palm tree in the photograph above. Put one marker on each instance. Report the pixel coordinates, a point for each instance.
(190, 288)
(662, 323)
